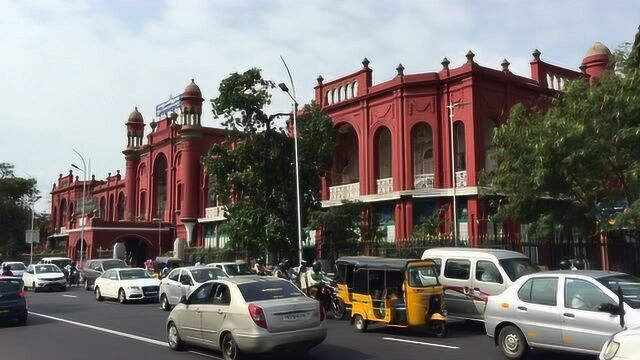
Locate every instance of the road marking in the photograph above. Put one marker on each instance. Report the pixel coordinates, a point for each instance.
(70, 296)
(422, 343)
(117, 333)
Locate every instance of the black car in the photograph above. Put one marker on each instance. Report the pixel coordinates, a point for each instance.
(13, 305)
(95, 267)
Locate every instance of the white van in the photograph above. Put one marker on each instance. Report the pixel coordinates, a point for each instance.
(60, 262)
(471, 275)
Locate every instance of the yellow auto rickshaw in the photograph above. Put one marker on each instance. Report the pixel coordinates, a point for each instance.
(345, 266)
(398, 292)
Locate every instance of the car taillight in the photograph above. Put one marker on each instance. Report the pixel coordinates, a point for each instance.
(321, 313)
(257, 315)
(21, 294)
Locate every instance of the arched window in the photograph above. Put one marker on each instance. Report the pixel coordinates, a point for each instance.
(103, 207)
(490, 154)
(383, 149)
(179, 197)
(355, 88)
(142, 213)
(346, 157)
(334, 96)
(111, 208)
(349, 92)
(329, 97)
(343, 94)
(160, 186)
(459, 144)
(422, 149)
(212, 196)
(121, 205)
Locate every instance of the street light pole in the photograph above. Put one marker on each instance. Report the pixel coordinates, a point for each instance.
(451, 108)
(284, 88)
(84, 189)
(32, 221)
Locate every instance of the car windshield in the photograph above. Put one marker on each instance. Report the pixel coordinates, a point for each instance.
(206, 274)
(17, 266)
(113, 264)
(134, 274)
(10, 285)
(237, 269)
(518, 267)
(421, 276)
(47, 269)
(61, 263)
(630, 287)
(268, 290)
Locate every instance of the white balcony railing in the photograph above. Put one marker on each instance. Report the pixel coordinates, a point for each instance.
(214, 212)
(385, 185)
(461, 178)
(423, 181)
(344, 192)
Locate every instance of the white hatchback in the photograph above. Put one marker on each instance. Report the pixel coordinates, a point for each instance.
(182, 281)
(574, 311)
(44, 276)
(126, 284)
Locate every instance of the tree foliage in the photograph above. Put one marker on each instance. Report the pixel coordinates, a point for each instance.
(253, 170)
(571, 164)
(16, 196)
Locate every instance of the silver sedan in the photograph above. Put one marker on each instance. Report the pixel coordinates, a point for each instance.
(574, 311)
(247, 315)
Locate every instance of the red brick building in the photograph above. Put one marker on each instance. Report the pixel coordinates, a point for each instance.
(394, 138)
(163, 197)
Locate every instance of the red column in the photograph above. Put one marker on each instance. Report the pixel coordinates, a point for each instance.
(474, 215)
(130, 186)
(189, 171)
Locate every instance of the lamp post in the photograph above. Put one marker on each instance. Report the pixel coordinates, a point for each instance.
(452, 106)
(159, 221)
(84, 186)
(284, 88)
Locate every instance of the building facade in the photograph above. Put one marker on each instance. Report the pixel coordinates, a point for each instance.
(419, 142)
(162, 202)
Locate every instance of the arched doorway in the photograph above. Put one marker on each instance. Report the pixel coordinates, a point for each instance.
(136, 250)
(159, 186)
(422, 154)
(76, 251)
(384, 177)
(345, 175)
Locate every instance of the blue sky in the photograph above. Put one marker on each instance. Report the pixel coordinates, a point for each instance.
(72, 71)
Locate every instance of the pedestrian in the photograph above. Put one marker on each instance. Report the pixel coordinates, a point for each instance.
(200, 261)
(6, 271)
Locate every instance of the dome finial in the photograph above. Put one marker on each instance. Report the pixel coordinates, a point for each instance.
(505, 65)
(536, 54)
(400, 70)
(445, 63)
(365, 63)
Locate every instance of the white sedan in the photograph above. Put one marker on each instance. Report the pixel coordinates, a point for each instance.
(44, 276)
(182, 281)
(624, 345)
(126, 285)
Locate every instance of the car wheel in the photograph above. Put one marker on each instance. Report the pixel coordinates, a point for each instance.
(339, 309)
(173, 338)
(512, 343)
(229, 348)
(97, 294)
(86, 284)
(122, 297)
(361, 324)
(164, 303)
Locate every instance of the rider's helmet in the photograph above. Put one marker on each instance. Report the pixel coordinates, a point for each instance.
(565, 265)
(317, 267)
(260, 261)
(6, 267)
(579, 264)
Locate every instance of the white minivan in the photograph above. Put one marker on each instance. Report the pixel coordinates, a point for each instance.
(470, 275)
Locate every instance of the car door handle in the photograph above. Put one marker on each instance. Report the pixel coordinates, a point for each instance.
(219, 311)
(522, 308)
(476, 289)
(569, 315)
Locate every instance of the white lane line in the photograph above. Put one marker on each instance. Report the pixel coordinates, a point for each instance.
(205, 355)
(70, 296)
(422, 343)
(118, 333)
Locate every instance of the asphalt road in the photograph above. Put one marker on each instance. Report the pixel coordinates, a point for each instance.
(72, 325)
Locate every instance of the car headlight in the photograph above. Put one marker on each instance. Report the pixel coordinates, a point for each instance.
(134, 288)
(612, 350)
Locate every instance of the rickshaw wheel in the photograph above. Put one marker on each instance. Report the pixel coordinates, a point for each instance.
(361, 324)
(439, 328)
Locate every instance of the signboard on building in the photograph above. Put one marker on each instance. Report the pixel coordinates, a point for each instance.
(33, 236)
(172, 105)
(90, 204)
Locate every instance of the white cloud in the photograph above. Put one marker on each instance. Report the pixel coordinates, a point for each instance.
(72, 71)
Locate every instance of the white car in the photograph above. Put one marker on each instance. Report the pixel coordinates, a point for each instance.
(16, 267)
(238, 268)
(44, 276)
(182, 281)
(126, 285)
(624, 345)
(575, 311)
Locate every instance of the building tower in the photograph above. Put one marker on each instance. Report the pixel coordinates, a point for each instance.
(190, 134)
(135, 133)
(596, 61)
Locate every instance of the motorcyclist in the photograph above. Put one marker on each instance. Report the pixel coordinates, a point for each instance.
(281, 271)
(259, 268)
(6, 271)
(72, 273)
(315, 281)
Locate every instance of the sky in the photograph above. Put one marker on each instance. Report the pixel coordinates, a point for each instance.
(71, 71)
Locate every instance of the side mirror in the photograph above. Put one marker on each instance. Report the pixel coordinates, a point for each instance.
(184, 300)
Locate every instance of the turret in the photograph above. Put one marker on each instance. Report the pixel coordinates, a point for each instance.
(135, 129)
(191, 105)
(135, 133)
(596, 61)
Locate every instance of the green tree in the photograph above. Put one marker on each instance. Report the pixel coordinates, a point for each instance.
(253, 170)
(557, 164)
(16, 196)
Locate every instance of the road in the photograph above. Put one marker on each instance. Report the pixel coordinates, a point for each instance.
(72, 325)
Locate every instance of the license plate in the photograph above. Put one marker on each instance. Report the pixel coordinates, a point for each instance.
(296, 317)
(4, 311)
(152, 293)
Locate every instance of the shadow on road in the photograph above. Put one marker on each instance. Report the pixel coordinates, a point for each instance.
(322, 351)
(32, 321)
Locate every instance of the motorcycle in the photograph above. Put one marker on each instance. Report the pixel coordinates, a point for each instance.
(328, 297)
(73, 277)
